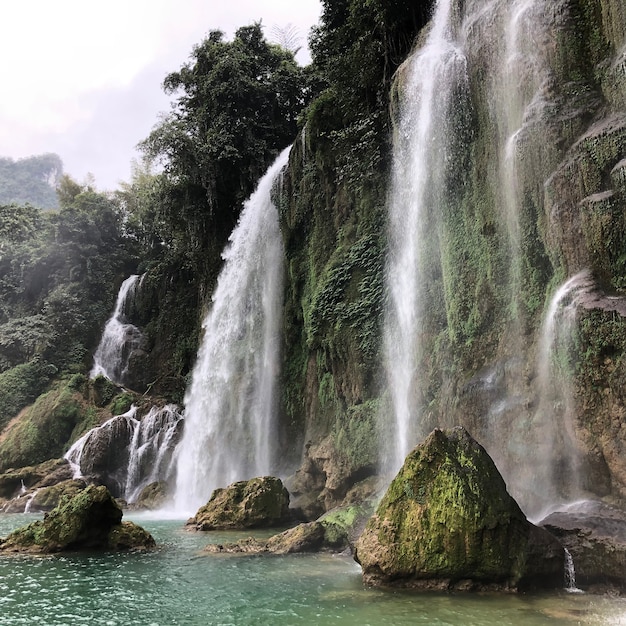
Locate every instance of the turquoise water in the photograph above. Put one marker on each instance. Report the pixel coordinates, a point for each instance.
(177, 585)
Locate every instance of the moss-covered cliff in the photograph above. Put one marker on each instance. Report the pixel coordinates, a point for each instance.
(511, 227)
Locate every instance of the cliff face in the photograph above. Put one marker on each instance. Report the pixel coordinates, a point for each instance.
(535, 194)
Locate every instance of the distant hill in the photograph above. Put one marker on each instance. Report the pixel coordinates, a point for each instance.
(31, 180)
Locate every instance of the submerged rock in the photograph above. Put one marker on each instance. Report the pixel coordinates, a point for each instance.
(595, 535)
(91, 520)
(256, 503)
(448, 522)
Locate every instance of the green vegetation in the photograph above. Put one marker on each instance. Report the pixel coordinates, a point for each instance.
(32, 180)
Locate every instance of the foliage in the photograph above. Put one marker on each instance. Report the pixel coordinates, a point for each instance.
(42, 433)
(236, 108)
(20, 385)
(32, 180)
(58, 276)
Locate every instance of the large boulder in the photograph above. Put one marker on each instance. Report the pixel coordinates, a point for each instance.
(448, 522)
(595, 535)
(256, 503)
(91, 520)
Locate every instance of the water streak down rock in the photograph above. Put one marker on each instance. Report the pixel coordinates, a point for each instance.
(448, 522)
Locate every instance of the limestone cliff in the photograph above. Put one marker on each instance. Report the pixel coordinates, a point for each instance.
(512, 227)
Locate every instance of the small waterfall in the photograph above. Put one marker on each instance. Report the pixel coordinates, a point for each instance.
(230, 404)
(119, 337)
(570, 574)
(29, 501)
(553, 461)
(127, 453)
(420, 156)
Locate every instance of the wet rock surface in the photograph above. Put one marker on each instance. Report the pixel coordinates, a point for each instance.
(595, 535)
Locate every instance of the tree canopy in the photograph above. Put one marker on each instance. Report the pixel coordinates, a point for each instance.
(32, 180)
(236, 108)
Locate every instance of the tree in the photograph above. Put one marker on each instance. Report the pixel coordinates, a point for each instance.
(237, 107)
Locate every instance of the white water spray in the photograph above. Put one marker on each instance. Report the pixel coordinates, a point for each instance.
(230, 405)
(143, 449)
(119, 338)
(553, 458)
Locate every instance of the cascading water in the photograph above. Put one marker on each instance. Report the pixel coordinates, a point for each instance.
(119, 337)
(486, 58)
(230, 404)
(553, 459)
(434, 75)
(127, 453)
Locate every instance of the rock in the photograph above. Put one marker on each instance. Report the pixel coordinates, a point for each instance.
(595, 535)
(13, 481)
(152, 496)
(334, 532)
(448, 522)
(44, 498)
(256, 503)
(91, 520)
(48, 498)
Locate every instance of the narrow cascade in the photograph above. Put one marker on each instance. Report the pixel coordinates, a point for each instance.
(570, 574)
(127, 453)
(435, 74)
(551, 474)
(230, 405)
(119, 337)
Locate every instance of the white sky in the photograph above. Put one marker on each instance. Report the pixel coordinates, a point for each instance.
(82, 78)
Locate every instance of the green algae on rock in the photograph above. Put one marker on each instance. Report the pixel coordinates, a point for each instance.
(448, 522)
(255, 503)
(91, 520)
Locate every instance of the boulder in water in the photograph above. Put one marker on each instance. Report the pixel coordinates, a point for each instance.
(91, 520)
(595, 535)
(256, 503)
(448, 522)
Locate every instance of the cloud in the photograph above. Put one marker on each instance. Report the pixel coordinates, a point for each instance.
(84, 80)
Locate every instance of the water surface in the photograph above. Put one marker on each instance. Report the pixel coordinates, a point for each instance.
(177, 585)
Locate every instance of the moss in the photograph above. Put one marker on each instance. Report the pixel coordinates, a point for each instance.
(121, 403)
(43, 430)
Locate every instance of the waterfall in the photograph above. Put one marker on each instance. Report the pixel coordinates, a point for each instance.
(570, 574)
(551, 473)
(472, 125)
(434, 75)
(127, 453)
(230, 404)
(119, 338)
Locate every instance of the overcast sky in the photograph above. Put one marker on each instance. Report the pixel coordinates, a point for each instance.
(83, 78)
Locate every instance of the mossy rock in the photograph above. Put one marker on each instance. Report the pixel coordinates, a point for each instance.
(256, 503)
(447, 521)
(152, 496)
(48, 498)
(91, 520)
(33, 476)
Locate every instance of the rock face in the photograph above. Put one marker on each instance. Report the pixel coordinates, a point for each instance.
(91, 520)
(448, 522)
(256, 503)
(595, 535)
